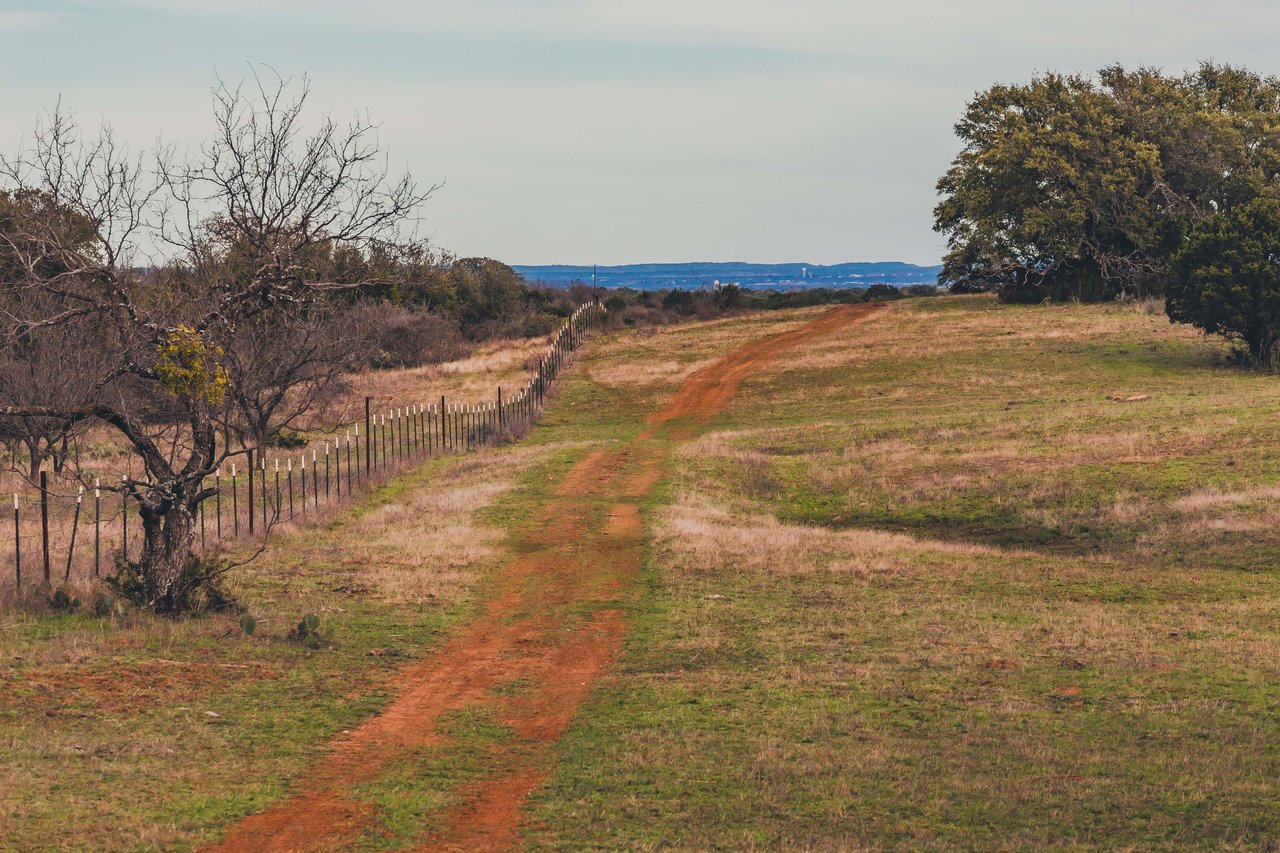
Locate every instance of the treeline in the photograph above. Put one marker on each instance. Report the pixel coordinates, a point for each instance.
(631, 307)
(436, 311)
(1130, 183)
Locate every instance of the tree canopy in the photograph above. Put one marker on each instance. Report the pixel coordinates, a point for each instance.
(1076, 187)
(1226, 279)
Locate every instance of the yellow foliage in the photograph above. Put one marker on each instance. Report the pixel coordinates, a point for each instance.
(189, 368)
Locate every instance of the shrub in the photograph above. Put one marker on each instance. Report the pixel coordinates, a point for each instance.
(1226, 278)
(882, 292)
(404, 337)
(197, 589)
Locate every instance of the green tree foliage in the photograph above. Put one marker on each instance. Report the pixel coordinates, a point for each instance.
(678, 300)
(727, 297)
(1226, 279)
(880, 292)
(22, 255)
(1073, 187)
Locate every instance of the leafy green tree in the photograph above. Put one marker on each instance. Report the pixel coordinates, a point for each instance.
(1226, 280)
(486, 291)
(882, 292)
(679, 301)
(1048, 197)
(1073, 187)
(728, 297)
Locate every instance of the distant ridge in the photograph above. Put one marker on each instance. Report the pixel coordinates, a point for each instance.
(695, 275)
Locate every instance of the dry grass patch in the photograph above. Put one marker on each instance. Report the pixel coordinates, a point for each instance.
(108, 741)
(661, 357)
(929, 587)
(697, 533)
(474, 379)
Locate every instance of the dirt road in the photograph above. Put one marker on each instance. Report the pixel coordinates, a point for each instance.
(552, 625)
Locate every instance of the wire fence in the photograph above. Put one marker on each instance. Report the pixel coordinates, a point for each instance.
(59, 539)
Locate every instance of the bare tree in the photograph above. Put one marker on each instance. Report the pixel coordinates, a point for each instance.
(299, 363)
(263, 192)
(51, 367)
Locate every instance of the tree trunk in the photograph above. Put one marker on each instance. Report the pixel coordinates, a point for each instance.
(35, 462)
(168, 542)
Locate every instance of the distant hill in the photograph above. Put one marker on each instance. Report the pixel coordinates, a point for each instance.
(694, 275)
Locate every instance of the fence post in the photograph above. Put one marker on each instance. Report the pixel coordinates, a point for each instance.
(276, 514)
(97, 527)
(442, 438)
(326, 470)
(44, 520)
(17, 546)
(501, 414)
(349, 459)
(263, 464)
(235, 503)
(251, 466)
(124, 518)
(290, 466)
(217, 498)
(315, 479)
(75, 526)
(368, 437)
(302, 476)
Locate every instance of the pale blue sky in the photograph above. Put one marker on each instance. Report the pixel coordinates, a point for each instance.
(653, 130)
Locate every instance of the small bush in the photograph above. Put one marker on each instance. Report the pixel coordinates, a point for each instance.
(288, 439)
(883, 292)
(307, 631)
(63, 602)
(199, 588)
(403, 337)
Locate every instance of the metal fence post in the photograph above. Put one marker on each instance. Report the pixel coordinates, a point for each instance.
(17, 545)
(97, 527)
(44, 521)
(235, 503)
(251, 466)
(75, 526)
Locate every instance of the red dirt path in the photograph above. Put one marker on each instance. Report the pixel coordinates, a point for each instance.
(586, 551)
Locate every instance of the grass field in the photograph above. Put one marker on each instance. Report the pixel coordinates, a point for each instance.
(932, 586)
(969, 575)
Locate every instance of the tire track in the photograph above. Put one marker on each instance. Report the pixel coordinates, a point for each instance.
(554, 622)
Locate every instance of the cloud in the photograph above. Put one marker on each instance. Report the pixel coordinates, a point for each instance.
(27, 21)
